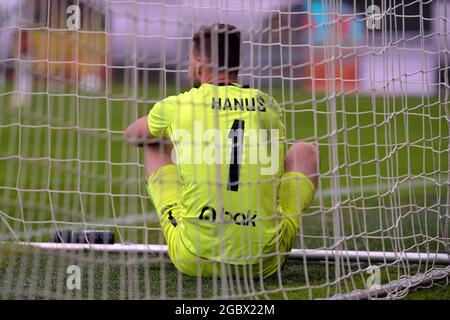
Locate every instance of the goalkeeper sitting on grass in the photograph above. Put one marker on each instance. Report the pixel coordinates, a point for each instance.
(226, 192)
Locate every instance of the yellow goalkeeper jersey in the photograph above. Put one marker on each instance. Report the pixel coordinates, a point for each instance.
(228, 142)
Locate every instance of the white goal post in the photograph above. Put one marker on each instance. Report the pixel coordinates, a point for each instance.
(366, 81)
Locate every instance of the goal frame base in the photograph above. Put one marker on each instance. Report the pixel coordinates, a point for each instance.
(301, 254)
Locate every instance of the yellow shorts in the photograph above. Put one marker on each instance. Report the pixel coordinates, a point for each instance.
(164, 188)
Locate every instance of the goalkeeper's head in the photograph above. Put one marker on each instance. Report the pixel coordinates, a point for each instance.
(215, 54)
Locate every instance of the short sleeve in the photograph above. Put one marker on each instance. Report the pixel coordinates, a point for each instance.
(159, 119)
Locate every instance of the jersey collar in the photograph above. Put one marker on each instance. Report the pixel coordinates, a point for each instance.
(221, 84)
(235, 84)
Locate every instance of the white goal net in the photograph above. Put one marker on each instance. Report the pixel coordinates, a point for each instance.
(366, 81)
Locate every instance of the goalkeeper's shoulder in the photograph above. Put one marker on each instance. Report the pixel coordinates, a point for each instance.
(175, 100)
(271, 102)
(164, 112)
(274, 108)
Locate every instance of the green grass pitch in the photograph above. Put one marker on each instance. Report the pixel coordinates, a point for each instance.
(63, 163)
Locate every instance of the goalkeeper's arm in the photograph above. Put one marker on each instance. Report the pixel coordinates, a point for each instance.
(138, 134)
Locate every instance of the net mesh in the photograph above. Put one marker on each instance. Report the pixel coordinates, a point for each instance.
(369, 86)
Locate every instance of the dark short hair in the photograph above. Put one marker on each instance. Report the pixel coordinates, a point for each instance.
(221, 45)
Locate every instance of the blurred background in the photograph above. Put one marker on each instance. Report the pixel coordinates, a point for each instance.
(285, 41)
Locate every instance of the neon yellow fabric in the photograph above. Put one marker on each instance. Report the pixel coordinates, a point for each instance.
(228, 209)
(164, 188)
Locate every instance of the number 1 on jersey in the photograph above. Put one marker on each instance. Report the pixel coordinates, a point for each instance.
(237, 136)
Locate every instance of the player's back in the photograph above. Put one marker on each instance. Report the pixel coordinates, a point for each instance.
(229, 147)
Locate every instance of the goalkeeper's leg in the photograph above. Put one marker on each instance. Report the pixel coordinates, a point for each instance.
(163, 185)
(157, 155)
(303, 157)
(297, 188)
(299, 181)
(164, 188)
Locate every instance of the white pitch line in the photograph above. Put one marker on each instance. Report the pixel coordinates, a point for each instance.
(383, 188)
(325, 194)
(122, 221)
